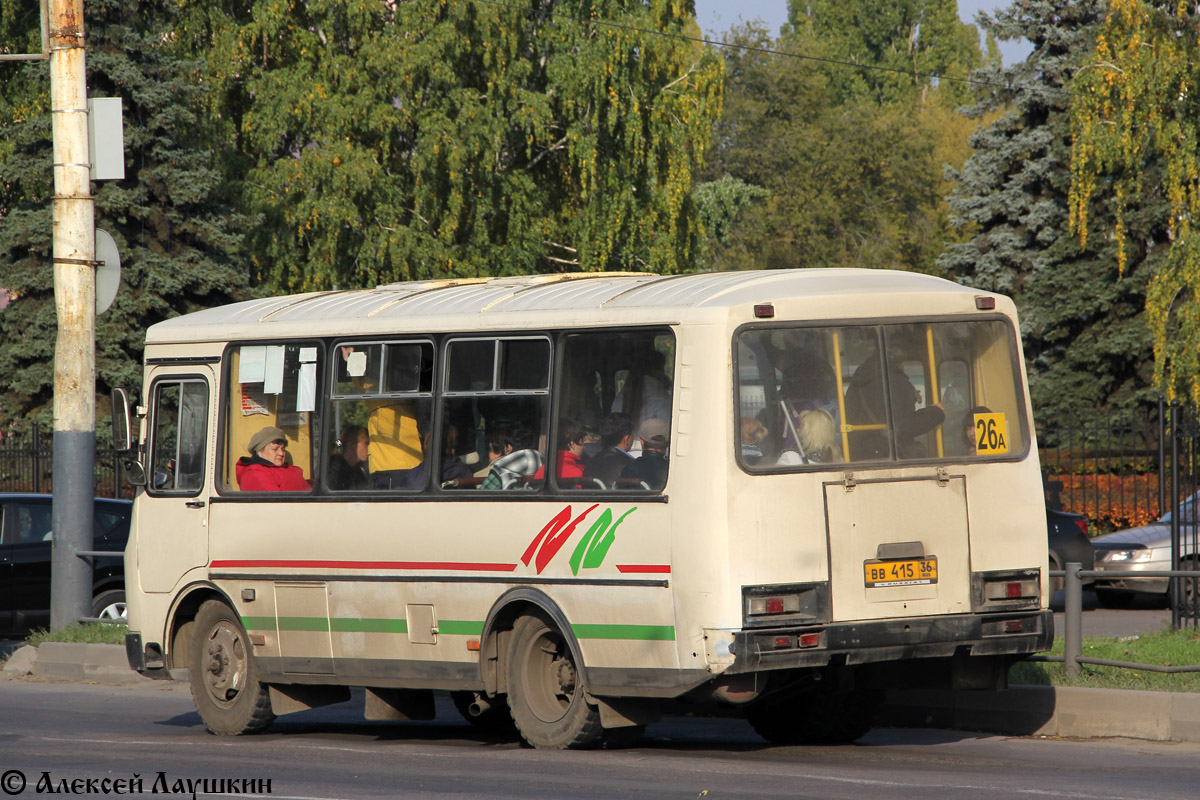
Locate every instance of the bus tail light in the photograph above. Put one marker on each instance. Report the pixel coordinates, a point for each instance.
(778, 604)
(1006, 589)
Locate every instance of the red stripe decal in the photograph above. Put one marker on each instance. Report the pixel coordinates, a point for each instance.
(656, 568)
(458, 566)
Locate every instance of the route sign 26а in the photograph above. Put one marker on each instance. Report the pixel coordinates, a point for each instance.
(991, 434)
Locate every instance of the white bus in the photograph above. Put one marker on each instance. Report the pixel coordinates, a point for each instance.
(566, 499)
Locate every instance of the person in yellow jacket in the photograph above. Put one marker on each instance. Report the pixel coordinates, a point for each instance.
(396, 457)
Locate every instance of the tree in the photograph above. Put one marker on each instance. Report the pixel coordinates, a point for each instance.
(1136, 123)
(390, 141)
(850, 182)
(179, 242)
(900, 44)
(1081, 319)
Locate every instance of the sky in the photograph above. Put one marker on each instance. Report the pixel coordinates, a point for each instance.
(715, 16)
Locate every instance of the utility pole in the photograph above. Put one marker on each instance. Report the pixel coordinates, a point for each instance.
(75, 300)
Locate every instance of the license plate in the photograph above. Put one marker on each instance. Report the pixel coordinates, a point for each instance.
(907, 572)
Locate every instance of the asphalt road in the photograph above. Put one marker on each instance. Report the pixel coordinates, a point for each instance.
(68, 732)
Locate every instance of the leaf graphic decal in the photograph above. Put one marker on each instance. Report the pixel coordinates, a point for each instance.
(553, 537)
(593, 547)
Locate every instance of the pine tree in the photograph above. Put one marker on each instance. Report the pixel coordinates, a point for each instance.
(180, 245)
(1082, 322)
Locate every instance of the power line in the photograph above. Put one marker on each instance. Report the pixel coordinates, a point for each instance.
(745, 47)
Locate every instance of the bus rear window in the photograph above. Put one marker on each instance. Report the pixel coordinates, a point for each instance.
(878, 393)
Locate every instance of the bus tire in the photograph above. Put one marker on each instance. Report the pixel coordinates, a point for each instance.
(496, 719)
(224, 675)
(816, 716)
(545, 688)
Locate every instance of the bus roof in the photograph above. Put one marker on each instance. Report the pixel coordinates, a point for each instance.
(533, 301)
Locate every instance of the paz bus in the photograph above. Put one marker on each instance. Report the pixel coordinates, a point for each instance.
(847, 499)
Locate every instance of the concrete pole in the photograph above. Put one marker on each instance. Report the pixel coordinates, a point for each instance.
(74, 250)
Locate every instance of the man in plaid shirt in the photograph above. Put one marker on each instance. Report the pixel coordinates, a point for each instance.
(519, 461)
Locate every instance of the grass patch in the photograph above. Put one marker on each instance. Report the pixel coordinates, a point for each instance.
(82, 633)
(1164, 648)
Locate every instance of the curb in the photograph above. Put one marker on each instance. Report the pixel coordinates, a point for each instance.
(70, 661)
(1064, 711)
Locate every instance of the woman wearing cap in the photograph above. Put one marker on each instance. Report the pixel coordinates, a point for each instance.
(266, 469)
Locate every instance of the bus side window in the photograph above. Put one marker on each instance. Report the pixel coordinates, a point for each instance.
(496, 394)
(271, 386)
(617, 388)
(180, 414)
(381, 391)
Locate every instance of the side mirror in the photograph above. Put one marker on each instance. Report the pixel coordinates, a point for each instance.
(123, 443)
(122, 424)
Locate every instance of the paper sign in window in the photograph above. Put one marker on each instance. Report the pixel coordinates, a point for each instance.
(273, 371)
(306, 388)
(250, 364)
(356, 364)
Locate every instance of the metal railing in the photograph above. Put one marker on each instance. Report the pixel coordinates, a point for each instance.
(1072, 658)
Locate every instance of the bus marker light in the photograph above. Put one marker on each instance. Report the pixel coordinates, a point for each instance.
(473, 645)
(1012, 626)
(810, 639)
(985, 303)
(258, 639)
(764, 311)
(784, 642)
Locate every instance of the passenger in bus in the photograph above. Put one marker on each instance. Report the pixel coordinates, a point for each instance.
(650, 467)
(569, 453)
(495, 449)
(815, 439)
(616, 437)
(453, 468)
(267, 468)
(865, 405)
(968, 430)
(397, 457)
(519, 461)
(348, 469)
(647, 389)
(753, 432)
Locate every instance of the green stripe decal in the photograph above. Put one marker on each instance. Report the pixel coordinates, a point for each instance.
(319, 624)
(460, 627)
(450, 627)
(350, 625)
(650, 633)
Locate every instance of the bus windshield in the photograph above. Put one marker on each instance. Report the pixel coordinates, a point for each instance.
(819, 396)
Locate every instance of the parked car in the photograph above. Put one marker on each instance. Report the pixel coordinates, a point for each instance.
(25, 533)
(1146, 548)
(1069, 542)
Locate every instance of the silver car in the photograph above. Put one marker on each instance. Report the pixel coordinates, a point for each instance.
(1147, 549)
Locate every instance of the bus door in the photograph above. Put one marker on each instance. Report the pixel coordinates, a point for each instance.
(173, 513)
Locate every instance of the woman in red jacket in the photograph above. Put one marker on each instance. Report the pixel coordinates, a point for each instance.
(266, 469)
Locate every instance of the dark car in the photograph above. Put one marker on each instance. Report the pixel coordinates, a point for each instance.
(25, 533)
(1069, 543)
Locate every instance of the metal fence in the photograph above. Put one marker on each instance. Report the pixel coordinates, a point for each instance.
(1130, 473)
(27, 464)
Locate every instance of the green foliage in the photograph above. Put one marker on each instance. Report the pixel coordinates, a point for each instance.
(908, 40)
(432, 139)
(850, 182)
(82, 633)
(180, 244)
(1136, 122)
(1160, 648)
(1086, 343)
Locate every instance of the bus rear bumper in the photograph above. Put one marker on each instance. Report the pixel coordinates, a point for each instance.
(869, 641)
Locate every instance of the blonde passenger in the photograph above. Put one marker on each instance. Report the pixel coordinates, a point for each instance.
(816, 436)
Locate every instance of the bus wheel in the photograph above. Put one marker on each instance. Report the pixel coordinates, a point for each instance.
(817, 716)
(494, 719)
(223, 674)
(545, 688)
